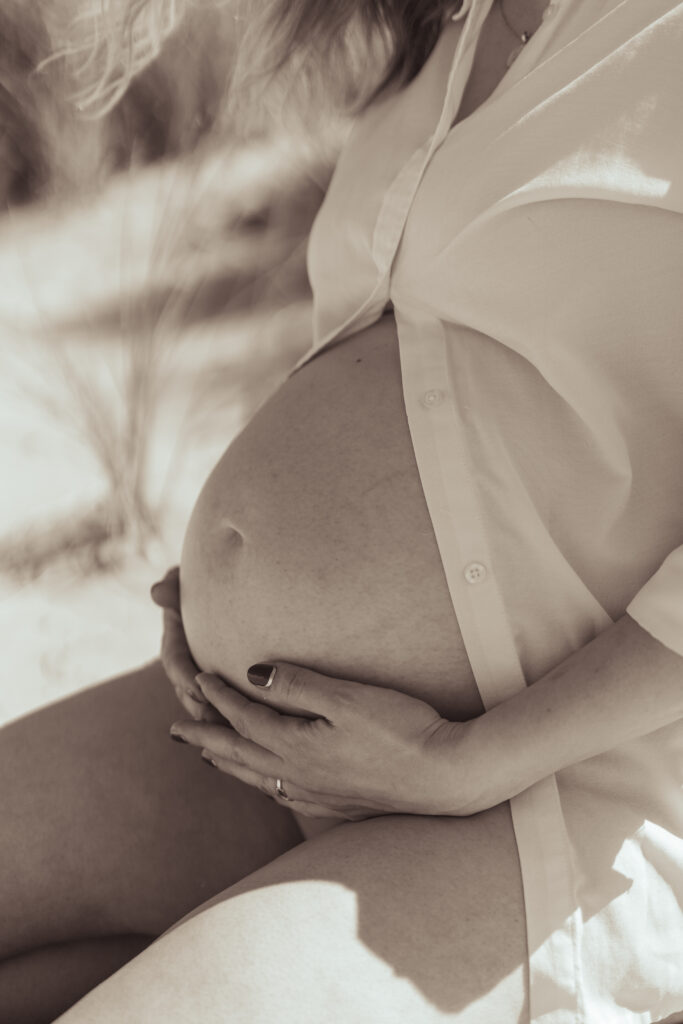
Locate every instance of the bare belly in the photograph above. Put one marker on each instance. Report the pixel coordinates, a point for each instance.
(311, 541)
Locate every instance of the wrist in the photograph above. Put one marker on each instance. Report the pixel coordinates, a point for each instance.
(461, 770)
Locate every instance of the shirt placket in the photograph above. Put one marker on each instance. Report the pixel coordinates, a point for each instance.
(398, 199)
(449, 485)
(396, 206)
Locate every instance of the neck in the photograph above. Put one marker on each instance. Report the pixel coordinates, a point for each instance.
(524, 15)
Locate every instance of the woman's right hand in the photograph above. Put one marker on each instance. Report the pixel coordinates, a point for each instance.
(175, 654)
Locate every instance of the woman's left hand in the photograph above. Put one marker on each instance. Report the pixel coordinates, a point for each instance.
(368, 751)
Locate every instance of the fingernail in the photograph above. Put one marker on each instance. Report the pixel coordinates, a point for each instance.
(261, 675)
(194, 697)
(177, 737)
(207, 760)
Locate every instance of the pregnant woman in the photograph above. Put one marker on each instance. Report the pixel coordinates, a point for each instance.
(434, 589)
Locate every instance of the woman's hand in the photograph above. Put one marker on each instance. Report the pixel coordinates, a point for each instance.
(175, 654)
(368, 751)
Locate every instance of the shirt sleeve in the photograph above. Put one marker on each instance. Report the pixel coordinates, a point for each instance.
(658, 606)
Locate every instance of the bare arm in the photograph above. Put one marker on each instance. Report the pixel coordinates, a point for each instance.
(622, 685)
(368, 750)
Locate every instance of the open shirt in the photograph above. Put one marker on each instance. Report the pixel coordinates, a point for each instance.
(533, 256)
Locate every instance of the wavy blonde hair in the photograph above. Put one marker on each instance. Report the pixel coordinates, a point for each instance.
(346, 52)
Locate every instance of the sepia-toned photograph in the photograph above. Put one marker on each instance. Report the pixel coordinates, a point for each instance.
(341, 524)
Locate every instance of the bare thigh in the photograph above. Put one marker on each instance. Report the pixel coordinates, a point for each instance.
(391, 920)
(109, 828)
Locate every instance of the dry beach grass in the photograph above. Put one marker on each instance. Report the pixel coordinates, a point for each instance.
(152, 292)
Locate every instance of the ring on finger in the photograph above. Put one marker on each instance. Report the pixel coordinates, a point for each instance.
(280, 791)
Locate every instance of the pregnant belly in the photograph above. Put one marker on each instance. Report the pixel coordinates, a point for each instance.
(311, 541)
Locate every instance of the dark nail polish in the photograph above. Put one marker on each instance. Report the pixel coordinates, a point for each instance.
(261, 675)
(177, 738)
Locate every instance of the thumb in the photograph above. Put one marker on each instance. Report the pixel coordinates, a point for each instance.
(295, 688)
(166, 593)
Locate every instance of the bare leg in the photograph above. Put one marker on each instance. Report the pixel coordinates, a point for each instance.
(390, 920)
(110, 829)
(39, 985)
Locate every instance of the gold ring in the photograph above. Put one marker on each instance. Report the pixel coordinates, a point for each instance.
(280, 791)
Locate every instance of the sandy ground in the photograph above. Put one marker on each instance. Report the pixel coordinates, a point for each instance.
(67, 629)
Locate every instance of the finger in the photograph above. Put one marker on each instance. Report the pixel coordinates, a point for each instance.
(253, 720)
(296, 688)
(166, 592)
(174, 641)
(199, 712)
(177, 660)
(313, 810)
(309, 808)
(223, 742)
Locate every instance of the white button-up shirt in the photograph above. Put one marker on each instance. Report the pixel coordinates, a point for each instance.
(533, 254)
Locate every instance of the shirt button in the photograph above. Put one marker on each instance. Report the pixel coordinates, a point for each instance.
(475, 572)
(432, 397)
